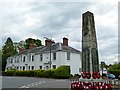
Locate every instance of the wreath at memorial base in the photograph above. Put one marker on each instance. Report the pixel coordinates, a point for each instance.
(83, 74)
(96, 75)
(88, 75)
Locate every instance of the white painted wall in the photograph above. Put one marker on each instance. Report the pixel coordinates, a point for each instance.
(61, 59)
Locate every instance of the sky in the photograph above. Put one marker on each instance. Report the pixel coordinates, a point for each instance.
(57, 19)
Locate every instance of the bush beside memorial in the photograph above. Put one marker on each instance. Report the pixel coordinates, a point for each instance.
(60, 72)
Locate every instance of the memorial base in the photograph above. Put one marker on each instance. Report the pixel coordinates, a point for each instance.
(90, 84)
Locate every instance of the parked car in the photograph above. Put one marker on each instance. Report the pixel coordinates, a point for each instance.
(111, 76)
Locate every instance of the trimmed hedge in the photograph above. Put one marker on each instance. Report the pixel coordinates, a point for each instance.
(24, 73)
(115, 72)
(39, 73)
(115, 69)
(60, 72)
(10, 72)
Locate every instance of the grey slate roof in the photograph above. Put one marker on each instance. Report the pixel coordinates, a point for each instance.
(54, 47)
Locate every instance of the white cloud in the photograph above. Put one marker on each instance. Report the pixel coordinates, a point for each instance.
(37, 19)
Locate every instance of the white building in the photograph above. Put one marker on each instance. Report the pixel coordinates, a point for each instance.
(39, 57)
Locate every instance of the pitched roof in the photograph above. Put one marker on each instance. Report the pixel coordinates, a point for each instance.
(54, 47)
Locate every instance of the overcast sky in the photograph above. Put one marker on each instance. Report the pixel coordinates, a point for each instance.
(22, 19)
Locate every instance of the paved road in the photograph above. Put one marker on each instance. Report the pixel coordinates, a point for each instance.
(31, 82)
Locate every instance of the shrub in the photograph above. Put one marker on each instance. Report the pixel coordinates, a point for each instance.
(47, 73)
(10, 72)
(24, 73)
(115, 69)
(62, 72)
(39, 73)
(115, 72)
(19, 73)
(31, 73)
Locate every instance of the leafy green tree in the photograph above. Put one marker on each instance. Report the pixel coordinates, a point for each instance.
(29, 41)
(115, 69)
(7, 50)
(0, 59)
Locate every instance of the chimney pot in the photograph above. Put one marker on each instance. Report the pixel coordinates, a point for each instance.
(48, 42)
(21, 49)
(65, 41)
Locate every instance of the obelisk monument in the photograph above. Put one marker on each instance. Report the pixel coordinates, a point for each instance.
(90, 60)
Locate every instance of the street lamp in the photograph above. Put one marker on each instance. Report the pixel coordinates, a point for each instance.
(50, 50)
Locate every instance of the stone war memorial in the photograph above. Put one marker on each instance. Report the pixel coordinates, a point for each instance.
(90, 76)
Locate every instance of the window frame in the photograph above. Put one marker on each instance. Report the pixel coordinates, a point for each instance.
(40, 67)
(24, 58)
(68, 56)
(54, 56)
(41, 57)
(33, 58)
(54, 66)
(32, 67)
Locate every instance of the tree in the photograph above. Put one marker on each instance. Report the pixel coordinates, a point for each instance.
(115, 69)
(0, 60)
(7, 50)
(30, 41)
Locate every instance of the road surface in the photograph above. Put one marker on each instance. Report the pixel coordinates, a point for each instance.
(32, 82)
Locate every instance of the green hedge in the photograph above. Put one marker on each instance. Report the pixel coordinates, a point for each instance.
(115, 72)
(60, 72)
(39, 73)
(115, 69)
(29, 73)
(10, 72)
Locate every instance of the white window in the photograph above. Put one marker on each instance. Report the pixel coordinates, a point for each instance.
(17, 67)
(29, 57)
(40, 67)
(68, 56)
(32, 67)
(23, 68)
(21, 58)
(41, 57)
(47, 67)
(24, 59)
(32, 57)
(11, 60)
(29, 67)
(54, 66)
(54, 56)
(20, 67)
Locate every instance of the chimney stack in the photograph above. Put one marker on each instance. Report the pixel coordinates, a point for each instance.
(48, 42)
(65, 41)
(32, 46)
(20, 49)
